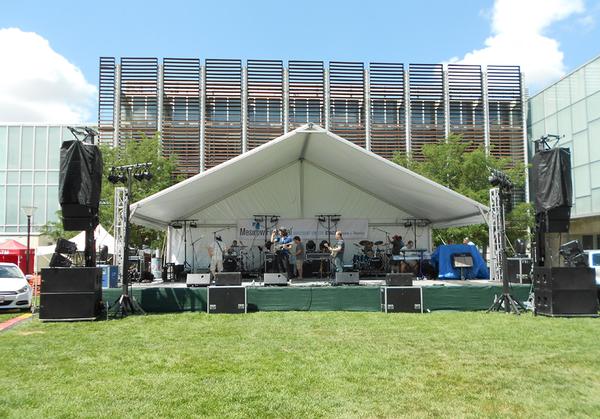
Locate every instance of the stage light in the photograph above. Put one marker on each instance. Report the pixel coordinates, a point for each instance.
(193, 224)
(335, 219)
(177, 225)
(139, 175)
(274, 219)
(422, 223)
(122, 178)
(65, 246)
(321, 219)
(112, 177)
(258, 219)
(408, 224)
(147, 175)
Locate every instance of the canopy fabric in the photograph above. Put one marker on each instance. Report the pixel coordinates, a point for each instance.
(103, 238)
(12, 245)
(305, 172)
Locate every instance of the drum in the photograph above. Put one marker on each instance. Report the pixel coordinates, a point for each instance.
(229, 264)
(375, 263)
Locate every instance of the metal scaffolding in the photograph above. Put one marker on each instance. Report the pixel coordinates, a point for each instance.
(120, 225)
(497, 235)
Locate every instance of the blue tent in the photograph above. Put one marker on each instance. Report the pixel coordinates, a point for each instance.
(442, 260)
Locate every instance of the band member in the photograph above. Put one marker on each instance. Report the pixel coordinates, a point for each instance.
(215, 252)
(299, 253)
(282, 255)
(397, 245)
(338, 252)
(234, 248)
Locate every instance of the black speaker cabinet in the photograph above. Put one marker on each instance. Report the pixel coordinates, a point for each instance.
(518, 270)
(63, 280)
(228, 278)
(226, 299)
(68, 294)
(402, 299)
(565, 291)
(399, 279)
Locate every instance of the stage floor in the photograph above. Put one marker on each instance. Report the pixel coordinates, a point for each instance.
(319, 295)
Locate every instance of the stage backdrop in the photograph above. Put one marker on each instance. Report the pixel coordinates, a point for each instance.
(306, 228)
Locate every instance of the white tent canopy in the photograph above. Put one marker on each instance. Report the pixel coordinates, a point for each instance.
(306, 172)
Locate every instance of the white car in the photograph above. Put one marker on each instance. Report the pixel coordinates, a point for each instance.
(15, 291)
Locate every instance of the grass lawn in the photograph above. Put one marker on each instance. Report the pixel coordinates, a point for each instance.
(299, 364)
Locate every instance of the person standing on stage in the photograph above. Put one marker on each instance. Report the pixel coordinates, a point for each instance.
(299, 253)
(397, 245)
(215, 252)
(338, 252)
(282, 255)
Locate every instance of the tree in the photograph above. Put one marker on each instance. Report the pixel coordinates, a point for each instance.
(147, 149)
(454, 163)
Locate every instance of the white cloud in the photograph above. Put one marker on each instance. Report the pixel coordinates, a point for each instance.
(39, 85)
(518, 37)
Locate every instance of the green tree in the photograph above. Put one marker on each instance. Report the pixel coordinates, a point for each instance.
(454, 163)
(55, 230)
(147, 149)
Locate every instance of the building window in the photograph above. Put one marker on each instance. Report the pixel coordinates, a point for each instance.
(587, 242)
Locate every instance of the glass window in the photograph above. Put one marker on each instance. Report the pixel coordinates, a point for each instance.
(26, 177)
(2, 180)
(12, 204)
(581, 177)
(12, 178)
(596, 256)
(537, 130)
(53, 205)
(27, 148)
(593, 106)
(39, 178)
(54, 142)
(577, 80)
(579, 116)
(563, 94)
(39, 201)
(14, 147)
(549, 100)
(592, 77)
(552, 124)
(580, 149)
(564, 123)
(536, 108)
(53, 178)
(596, 200)
(40, 147)
(3, 204)
(584, 205)
(587, 241)
(3, 153)
(594, 136)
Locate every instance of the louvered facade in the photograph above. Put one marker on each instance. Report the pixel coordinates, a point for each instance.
(209, 112)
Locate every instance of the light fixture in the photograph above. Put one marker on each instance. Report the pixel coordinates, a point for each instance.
(321, 218)
(177, 225)
(335, 219)
(422, 223)
(139, 175)
(408, 224)
(274, 219)
(258, 219)
(193, 224)
(147, 175)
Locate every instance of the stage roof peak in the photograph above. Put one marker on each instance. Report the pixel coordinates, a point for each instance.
(314, 148)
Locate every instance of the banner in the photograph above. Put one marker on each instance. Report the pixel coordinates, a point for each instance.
(307, 229)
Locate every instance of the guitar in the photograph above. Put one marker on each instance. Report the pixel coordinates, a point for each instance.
(278, 247)
(333, 252)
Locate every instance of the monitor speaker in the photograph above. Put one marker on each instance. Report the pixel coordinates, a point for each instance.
(198, 280)
(400, 279)
(275, 279)
(228, 278)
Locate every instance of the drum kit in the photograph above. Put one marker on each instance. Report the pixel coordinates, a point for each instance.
(374, 257)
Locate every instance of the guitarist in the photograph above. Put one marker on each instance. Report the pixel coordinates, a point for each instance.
(337, 252)
(282, 243)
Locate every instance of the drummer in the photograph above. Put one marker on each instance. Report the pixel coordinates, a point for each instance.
(234, 248)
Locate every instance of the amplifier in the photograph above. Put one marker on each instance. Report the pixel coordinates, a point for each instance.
(228, 278)
(565, 291)
(399, 279)
(318, 256)
(402, 299)
(198, 280)
(222, 299)
(346, 278)
(275, 279)
(518, 270)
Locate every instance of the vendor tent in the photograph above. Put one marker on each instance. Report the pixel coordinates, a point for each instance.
(14, 252)
(103, 238)
(303, 173)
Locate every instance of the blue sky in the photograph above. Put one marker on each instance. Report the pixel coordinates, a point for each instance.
(434, 31)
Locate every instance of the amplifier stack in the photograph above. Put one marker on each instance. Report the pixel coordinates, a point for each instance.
(565, 291)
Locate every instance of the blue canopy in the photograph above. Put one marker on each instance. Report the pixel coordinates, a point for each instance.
(442, 260)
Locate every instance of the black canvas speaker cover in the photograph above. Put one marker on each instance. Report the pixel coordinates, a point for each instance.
(552, 184)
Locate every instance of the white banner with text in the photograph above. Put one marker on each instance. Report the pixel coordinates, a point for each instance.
(307, 229)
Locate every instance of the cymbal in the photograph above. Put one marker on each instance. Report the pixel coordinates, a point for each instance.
(365, 242)
(356, 244)
(378, 243)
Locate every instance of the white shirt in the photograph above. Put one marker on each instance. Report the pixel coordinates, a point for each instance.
(217, 250)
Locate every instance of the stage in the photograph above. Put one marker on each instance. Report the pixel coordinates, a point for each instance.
(318, 295)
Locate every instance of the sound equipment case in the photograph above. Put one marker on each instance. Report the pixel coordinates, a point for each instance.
(70, 294)
(228, 278)
(402, 299)
(565, 291)
(221, 299)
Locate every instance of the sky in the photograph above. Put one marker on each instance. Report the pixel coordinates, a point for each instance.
(50, 49)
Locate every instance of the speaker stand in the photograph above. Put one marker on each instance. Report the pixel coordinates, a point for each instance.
(125, 305)
(511, 305)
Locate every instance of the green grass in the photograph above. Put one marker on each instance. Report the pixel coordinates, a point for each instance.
(331, 364)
